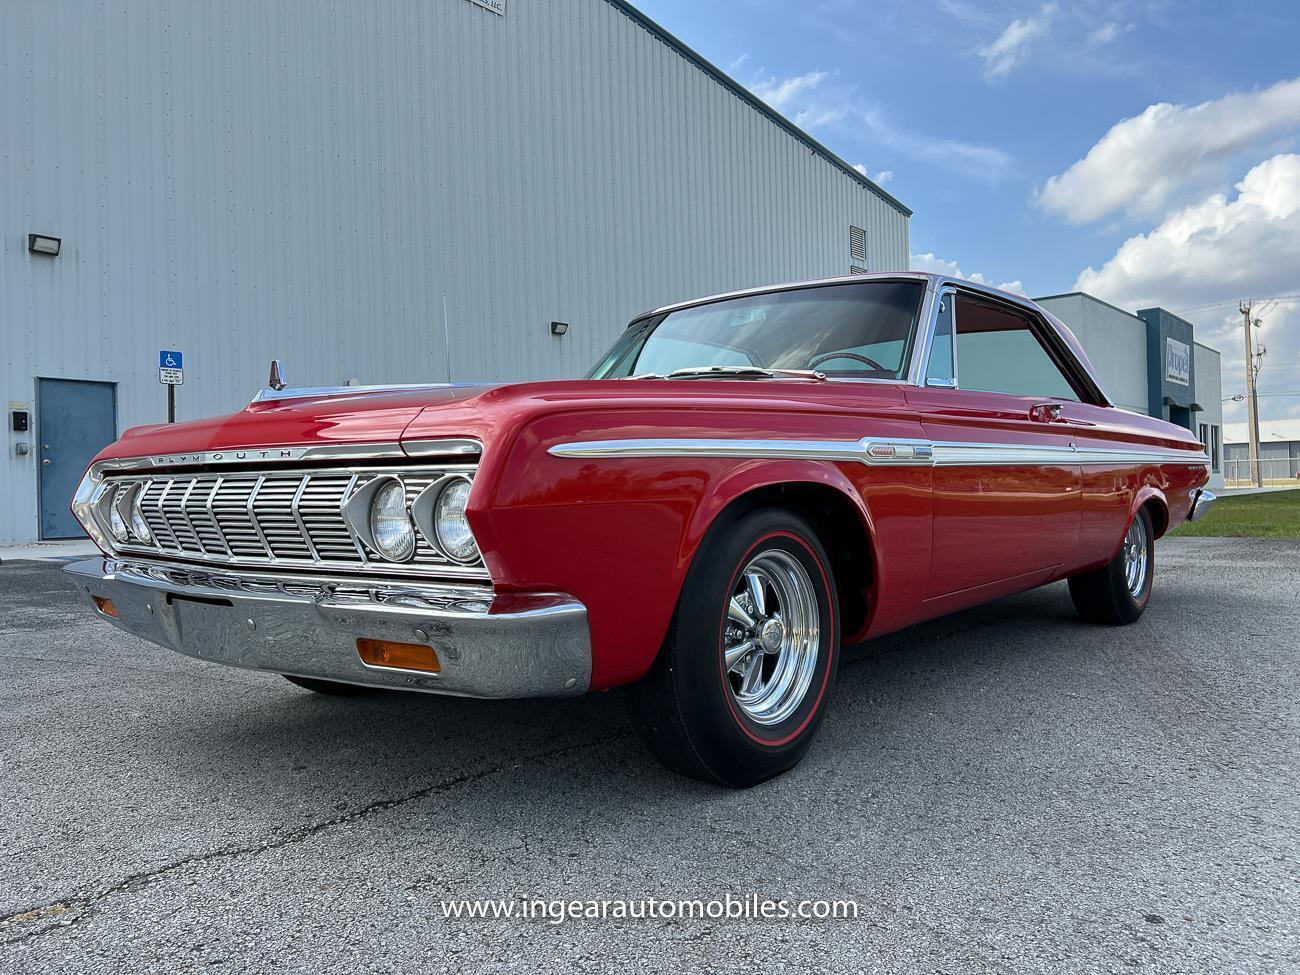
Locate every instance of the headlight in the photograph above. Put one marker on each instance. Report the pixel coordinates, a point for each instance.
(390, 525)
(116, 519)
(450, 524)
(139, 527)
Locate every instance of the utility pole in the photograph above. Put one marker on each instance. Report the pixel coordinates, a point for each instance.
(1252, 400)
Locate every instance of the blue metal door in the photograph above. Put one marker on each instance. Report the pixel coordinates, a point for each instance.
(74, 420)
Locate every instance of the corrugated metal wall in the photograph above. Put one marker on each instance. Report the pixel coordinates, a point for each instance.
(337, 183)
(1209, 393)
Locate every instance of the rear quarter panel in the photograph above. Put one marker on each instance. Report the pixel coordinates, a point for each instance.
(1112, 493)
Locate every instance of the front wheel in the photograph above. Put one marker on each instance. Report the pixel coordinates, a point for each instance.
(1119, 591)
(741, 683)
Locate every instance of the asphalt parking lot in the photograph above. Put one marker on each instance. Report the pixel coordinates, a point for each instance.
(1002, 790)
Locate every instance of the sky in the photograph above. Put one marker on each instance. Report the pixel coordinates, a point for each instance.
(1144, 151)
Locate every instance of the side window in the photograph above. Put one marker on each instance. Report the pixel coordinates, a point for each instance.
(998, 352)
(939, 370)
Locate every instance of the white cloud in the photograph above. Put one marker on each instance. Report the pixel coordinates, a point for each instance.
(937, 265)
(1221, 249)
(1013, 45)
(811, 103)
(880, 179)
(783, 94)
(1107, 32)
(1145, 162)
(985, 163)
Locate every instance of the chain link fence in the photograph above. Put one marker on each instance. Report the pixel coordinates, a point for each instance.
(1273, 472)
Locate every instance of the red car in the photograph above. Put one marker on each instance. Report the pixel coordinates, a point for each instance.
(744, 485)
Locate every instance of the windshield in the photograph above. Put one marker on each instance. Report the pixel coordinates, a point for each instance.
(860, 331)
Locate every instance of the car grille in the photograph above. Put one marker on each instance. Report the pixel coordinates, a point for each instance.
(291, 519)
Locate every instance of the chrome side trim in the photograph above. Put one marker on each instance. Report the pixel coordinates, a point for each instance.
(444, 447)
(290, 453)
(278, 454)
(880, 452)
(322, 392)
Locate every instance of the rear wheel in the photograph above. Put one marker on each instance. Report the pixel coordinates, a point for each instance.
(741, 683)
(1119, 591)
(330, 687)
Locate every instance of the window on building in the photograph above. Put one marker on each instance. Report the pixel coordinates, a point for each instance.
(999, 352)
(1204, 436)
(1215, 447)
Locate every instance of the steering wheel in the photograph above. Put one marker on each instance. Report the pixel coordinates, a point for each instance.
(827, 356)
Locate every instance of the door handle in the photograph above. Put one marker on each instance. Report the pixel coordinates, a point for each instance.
(47, 461)
(1046, 412)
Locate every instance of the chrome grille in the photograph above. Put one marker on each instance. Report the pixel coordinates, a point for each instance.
(285, 518)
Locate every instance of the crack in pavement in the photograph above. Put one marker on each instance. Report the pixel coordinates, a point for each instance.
(83, 907)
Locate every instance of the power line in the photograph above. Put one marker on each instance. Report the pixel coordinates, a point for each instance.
(1233, 301)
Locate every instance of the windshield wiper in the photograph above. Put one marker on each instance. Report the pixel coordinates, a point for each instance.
(733, 372)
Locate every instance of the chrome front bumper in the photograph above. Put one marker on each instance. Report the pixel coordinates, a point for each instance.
(1202, 501)
(489, 645)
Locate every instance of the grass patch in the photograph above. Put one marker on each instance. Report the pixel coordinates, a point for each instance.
(1275, 515)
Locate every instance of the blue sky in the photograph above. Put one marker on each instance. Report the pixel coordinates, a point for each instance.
(1148, 152)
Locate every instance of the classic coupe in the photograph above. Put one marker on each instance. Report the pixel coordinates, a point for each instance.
(743, 485)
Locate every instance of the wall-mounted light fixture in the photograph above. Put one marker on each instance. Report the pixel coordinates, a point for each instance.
(41, 244)
(559, 328)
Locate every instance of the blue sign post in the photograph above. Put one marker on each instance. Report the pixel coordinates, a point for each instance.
(171, 373)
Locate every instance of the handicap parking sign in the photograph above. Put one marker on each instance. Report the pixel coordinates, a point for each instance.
(170, 368)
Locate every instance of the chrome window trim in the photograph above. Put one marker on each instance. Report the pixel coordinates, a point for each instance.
(1074, 373)
(942, 294)
(881, 452)
(923, 324)
(926, 322)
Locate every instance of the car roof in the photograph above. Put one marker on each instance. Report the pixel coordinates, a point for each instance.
(929, 278)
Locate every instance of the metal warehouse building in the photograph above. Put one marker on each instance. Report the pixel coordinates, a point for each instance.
(386, 191)
(1150, 362)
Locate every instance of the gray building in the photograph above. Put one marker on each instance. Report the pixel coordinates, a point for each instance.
(1150, 362)
(385, 192)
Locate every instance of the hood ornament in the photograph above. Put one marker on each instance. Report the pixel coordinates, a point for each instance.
(277, 381)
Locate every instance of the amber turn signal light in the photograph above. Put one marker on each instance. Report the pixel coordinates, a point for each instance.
(401, 656)
(105, 606)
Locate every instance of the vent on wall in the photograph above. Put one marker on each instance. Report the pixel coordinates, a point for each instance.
(857, 243)
(854, 269)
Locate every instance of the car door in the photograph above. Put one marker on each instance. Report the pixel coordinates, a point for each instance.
(1007, 490)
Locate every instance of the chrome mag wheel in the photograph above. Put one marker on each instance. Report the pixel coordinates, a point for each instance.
(771, 638)
(1135, 557)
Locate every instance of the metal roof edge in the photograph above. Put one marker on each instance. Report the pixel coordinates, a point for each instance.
(1092, 298)
(718, 75)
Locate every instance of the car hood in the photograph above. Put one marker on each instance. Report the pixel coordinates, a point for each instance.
(484, 412)
(360, 417)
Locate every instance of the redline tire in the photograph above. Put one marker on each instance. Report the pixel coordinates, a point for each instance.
(1118, 592)
(707, 720)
